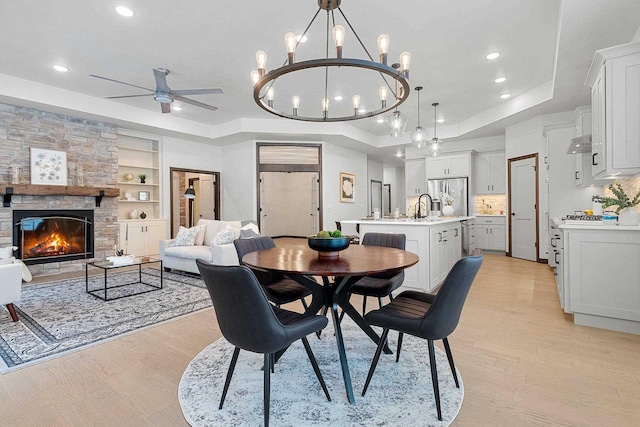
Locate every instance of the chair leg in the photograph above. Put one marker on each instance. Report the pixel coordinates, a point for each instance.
(434, 377)
(451, 364)
(374, 362)
(379, 302)
(400, 335)
(324, 313)
(304, 303)
(232, 367)
(316, 369)
(364, 304)
(267, 388)
(12, 312)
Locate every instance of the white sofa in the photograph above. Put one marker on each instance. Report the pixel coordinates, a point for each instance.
(184, 257)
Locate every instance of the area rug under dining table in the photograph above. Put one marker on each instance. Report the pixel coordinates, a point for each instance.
(59, 317)
(400, 394)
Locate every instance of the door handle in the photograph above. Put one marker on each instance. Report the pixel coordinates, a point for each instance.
(593, 159)
(492, 188)
(556, 258)
(577, 173)
(513, 214)
(488, 188)
(455, 235)
(440, 237)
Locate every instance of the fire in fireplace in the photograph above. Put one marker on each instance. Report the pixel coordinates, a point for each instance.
(53, 235)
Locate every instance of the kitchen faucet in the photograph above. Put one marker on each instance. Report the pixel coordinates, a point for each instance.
(416, 209)
(419, 214)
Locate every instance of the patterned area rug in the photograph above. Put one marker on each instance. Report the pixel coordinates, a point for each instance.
(58, 317)
(400, 394)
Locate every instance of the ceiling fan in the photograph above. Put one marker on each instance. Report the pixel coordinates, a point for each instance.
(164, 95)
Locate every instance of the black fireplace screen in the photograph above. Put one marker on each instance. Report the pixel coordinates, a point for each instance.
(53, 236)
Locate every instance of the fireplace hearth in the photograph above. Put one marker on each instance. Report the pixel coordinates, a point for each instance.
(44, 236)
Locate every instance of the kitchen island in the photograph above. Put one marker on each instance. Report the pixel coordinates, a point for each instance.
(599, 281)
(436, 241)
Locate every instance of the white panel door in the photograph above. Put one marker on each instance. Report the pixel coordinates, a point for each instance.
(206, 201)
(523, 209)
(287, 201)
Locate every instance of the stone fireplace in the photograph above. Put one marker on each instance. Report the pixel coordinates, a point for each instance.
(91, 146)
(44, 236)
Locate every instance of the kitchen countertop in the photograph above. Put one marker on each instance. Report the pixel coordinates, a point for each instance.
(408, 221)
(560, 224)
(503, 215)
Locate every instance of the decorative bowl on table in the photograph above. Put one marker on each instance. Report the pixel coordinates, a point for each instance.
(328, 247)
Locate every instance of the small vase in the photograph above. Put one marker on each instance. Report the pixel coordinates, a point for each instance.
(447, 210)
(628, 216)
(143, 181)
(143, 215)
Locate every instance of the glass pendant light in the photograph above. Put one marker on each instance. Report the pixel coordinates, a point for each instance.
(435, 146)
(397, 124)
(419, 135)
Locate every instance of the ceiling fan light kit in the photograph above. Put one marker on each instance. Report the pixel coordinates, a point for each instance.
(163, 93)
(394, 80)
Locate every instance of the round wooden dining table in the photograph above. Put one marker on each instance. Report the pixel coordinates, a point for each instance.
(338, 274)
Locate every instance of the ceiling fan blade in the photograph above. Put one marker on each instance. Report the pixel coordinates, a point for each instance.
(196, 103)
(161, 79)
(118, 81)
(128, 96)
(166, 107)
(215, 91)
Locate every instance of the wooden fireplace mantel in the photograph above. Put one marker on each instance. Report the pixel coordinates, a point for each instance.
(8, 190)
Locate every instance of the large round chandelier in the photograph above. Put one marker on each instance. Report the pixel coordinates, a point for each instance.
(285, 92)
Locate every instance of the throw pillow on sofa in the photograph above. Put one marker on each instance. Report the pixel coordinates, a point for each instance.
(7, 252)
(186, 236)
(201, 232)
(224, 236)
(249, 231)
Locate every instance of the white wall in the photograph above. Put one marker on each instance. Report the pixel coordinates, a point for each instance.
(238, 179)
(338, 159)
(180, 153)
(375, 172)
(492, 143)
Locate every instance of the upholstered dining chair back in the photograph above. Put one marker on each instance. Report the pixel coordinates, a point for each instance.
(387, 240)
(245, 246)
(245, 317)
(443, 316)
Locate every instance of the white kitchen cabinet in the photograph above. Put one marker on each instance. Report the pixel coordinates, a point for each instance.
(602, 271)
(614, 79)
(583, 174)
(142, 237)
(448, 166)
(445, 248)
(415, 181)
(490, 173)
(491, 233)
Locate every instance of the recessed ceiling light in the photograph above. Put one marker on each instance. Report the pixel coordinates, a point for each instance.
(399, 154)
(500, 79)
(176, 107)
(337, 98)
(440, 120)
(380, 120)
(493, 55)
(362, 111)
(505, 95)
(301, 39)
(60, 68)
(124, 11)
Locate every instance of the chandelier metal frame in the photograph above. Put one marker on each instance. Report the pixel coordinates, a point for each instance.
(400, 90)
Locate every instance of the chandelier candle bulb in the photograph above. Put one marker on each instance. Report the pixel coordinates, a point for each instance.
(295, 100)
(383, 48)
(338, 39)
(355, 102)
(261, 59)
(383, 91)
(255, 76)
(405, 61)
(270, 96)
(290, 42)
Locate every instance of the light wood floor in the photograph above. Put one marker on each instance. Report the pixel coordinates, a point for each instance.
(523, 362)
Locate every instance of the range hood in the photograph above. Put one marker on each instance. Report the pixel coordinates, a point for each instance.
(581, 144)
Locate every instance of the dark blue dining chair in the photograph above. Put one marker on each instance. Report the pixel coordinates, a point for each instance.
(249, 322)
(427, 316)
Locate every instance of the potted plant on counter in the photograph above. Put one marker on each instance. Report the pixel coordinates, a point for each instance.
(626, 214)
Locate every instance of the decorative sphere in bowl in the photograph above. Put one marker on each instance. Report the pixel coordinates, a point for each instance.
(328, 246)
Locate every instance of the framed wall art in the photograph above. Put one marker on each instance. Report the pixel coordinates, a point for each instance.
(347, 187)
(48, 167)
(144, 196)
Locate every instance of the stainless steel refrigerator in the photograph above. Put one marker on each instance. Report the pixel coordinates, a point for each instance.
(457, 188)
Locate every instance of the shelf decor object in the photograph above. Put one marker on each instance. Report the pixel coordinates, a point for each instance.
(48, 167)
(144, 196)
(328, 247)
(375, 80)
